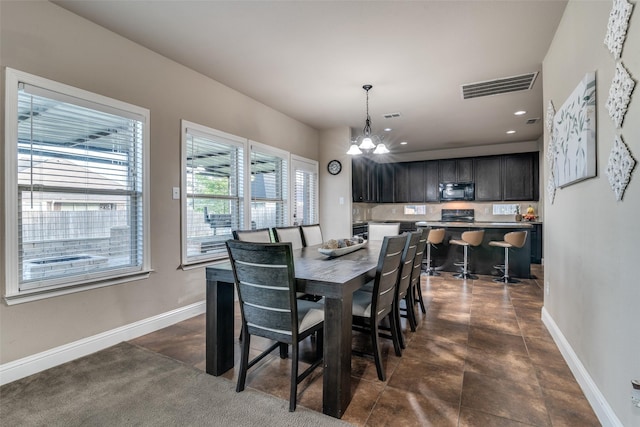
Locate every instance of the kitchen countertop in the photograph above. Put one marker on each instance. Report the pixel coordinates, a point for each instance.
(476, 224)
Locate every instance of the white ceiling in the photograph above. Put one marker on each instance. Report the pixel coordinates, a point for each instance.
(309, 59)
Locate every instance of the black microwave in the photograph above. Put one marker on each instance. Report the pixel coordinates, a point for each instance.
(450, 191)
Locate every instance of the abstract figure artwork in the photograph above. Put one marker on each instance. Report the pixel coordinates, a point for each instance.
(574, 135)
(619, 168)
(617, 26)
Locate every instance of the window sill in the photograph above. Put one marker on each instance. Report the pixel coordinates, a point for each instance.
(39, 294)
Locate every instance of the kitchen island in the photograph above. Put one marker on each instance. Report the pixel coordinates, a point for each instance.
(483, 258)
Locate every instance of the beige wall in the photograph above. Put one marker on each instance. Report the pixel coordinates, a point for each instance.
(590, 240)
(43, 39)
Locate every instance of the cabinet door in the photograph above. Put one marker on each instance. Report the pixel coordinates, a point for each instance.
(448, 170)
(488, 178)
(464, 168)
(357, 179)
(401, 182)
(416, 182)
(518, 177)
(385, 182)
(370, 182)
(431, 181)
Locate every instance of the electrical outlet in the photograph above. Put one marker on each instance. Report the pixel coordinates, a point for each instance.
(546, 287)
(176, 193)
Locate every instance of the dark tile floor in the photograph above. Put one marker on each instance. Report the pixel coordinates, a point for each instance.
(481, 356)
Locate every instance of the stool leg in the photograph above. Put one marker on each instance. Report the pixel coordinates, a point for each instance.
(430, 270)
(465, 272)
(506, 278)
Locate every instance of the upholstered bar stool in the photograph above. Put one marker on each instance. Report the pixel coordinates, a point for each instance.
(435, 237)
(468, 238)
(515, 239)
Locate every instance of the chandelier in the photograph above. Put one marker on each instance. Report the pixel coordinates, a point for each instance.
(367, 141)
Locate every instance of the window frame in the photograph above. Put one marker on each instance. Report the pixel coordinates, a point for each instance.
(12, 292)
(231, 139)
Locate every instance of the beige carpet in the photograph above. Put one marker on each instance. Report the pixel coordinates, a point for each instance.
(126, 385)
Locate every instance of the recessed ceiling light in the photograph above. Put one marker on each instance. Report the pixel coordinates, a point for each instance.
(403, 143)
(511, 131)
(520, 113)
(388, 129)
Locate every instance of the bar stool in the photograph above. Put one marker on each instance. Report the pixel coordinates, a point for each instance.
(435, 237)
(515, 239)
(468, 238)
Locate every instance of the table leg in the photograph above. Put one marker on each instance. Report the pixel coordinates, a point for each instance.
(219, 327)
(336, 393)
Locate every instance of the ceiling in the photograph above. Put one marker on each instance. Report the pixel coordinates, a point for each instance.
(309, 59)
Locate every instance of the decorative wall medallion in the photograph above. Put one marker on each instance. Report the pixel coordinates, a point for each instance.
(551, 111)
(550, 155)
(619, 94)
(551, 187)
(619, 168)
(574, 132)
(617, 26)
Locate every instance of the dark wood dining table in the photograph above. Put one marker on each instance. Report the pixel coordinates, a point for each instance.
(334, 278)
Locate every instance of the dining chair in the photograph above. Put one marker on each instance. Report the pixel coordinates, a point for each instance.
(265, 280)
(370, 308)
(261, 235)
(311, 235)
(404, 284)
(291, 234)
(416, 287)
(377, 230)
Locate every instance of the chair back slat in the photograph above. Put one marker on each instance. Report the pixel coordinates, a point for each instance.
(417, 262)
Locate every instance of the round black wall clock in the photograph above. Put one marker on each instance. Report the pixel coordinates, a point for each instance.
(334, 167)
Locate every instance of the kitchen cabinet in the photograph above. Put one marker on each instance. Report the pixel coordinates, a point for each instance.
(416, 182)
(431, 181)
(401, 182)
(536, 243)
(488, 178)
(518, 177)
(364, 180)
(456, 170)
(386, 179)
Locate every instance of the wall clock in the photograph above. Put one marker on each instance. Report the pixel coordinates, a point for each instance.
(334, 167)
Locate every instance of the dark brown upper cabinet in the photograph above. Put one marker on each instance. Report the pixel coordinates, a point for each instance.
(519, 180)
(456, 170)
(488, 178)
(431, 181)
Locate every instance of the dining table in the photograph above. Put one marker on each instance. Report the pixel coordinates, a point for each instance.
(333, 277)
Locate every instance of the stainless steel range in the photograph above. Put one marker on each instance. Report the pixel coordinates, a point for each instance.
(457, 215)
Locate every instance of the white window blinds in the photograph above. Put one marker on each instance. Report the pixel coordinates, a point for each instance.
(79, 188)
(269, 178)
(305, 191)
(214, 178)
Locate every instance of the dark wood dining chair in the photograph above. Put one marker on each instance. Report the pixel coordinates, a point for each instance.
(404, 284)
(311, 235)
(370, 308)
(416, 288)
(291, 234)
(265, 280)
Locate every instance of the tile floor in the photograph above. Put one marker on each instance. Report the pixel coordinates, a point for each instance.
(481, 356)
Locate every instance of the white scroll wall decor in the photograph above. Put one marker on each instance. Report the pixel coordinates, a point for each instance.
(551, 148)
(551, 187)
(574, 132)
(617, 26)
(619, 94)
(619, 168)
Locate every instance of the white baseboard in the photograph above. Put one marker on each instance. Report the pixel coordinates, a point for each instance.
(600, 406)
(56, 356)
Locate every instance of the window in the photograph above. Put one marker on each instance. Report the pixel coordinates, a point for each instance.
(269, 180)
(305, 191)
(76, 188)
(213, 185)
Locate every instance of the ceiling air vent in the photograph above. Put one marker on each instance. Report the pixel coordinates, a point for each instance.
(533, 121)
(391, 115)
(498, 86)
